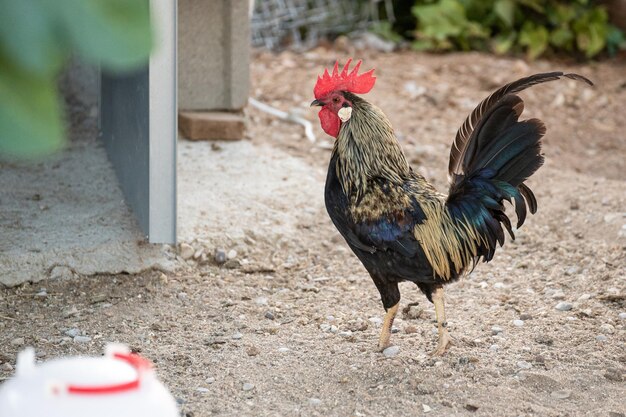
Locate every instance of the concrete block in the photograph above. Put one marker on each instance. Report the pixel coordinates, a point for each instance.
(213, 54)
(211, 125)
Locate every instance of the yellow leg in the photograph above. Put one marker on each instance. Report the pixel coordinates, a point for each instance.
(385, 333)
(445, 340)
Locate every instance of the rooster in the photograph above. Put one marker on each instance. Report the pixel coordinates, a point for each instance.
(395, 222)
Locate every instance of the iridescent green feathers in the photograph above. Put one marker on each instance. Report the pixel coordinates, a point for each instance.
(491, 157)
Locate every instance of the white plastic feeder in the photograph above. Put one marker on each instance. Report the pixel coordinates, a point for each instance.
(118, 384)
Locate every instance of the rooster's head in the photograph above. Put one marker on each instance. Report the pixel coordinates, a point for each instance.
(329, 94)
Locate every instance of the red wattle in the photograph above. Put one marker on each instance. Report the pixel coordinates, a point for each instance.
(330, 122)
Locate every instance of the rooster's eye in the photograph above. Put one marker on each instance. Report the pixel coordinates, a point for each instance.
(336, 99)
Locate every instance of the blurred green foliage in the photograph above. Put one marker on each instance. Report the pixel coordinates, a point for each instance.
(579, 27)
(36, 39)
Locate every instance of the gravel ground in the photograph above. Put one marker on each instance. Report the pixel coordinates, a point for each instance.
(288, 325)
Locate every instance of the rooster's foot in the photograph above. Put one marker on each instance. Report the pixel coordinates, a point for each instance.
(445, 341)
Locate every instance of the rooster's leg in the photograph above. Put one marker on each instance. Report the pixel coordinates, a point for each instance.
(442, 326)
(385, 333)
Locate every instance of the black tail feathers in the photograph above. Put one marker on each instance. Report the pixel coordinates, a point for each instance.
(492, 155)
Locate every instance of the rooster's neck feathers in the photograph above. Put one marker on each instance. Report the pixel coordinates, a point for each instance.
(367, 148)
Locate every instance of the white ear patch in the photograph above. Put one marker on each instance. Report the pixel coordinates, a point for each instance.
(344, 113)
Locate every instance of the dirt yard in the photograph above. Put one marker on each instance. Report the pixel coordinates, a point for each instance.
(289, 326)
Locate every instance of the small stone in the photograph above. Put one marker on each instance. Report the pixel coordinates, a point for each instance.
(524, 365)
(622, 316)
(315, 402)
(470, 407)
(333, 329)
(496, 330)
(346, 333)
(558, 295)
(261, 301)
(544, 340)
(182, 295)
(614, 374)
(499, 285)
(561, 394)
(220, 256)
(494, 348)
(325, 327)
(607, 328)
(426, 408)
(357, 325)
(82, 339)
(525, 316)
(42, 293)
(269, 315)
(18, 341)
(252, 350)
(72, 332)
(198, 254)
(283, 349)
(611, 217)
(391, 351)
(209, 380)
(186, 251)
(71, 312)
(584, 297)
(202, 390)
(232, 264)
(236, 336)
(564, 306)
(410, 329)
(7, 367)
(232, 254)
(414, 312)
(248, 386)
(100, 298)
(601, 338)
(572, 270)
(376, 321)
(559, 100)
(518, 323)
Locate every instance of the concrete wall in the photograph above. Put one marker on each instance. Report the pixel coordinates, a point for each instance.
(213, 54)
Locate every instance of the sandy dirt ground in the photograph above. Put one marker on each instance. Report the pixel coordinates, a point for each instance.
(288, 326)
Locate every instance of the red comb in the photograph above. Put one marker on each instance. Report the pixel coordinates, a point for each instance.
(352, 82)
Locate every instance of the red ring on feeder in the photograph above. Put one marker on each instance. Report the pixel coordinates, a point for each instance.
(140, 364)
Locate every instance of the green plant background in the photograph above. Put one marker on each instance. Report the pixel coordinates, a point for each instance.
(536, 27)
(36, 39)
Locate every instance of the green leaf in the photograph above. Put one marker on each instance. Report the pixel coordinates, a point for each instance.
(423, 45)
(591, 31)
(535, 38)
(115, 33)
(445, 24)
(561, 14)
(505, 9)
(385, 31)
(503, 43)
(562, 38)
(615, 40)
(30, 115)
(536, 5)
(27, 34)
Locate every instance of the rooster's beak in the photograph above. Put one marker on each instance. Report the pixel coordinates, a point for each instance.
(316, 103)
